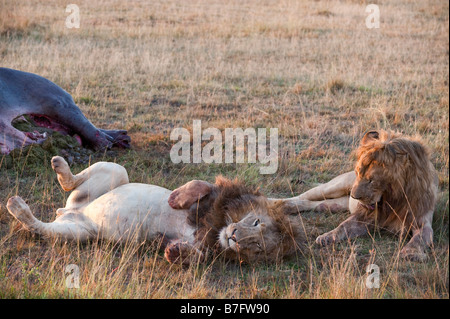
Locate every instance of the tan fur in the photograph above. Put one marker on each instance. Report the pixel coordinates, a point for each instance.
(394, 186)
(400, 169)
(231, 207)
(103, 204)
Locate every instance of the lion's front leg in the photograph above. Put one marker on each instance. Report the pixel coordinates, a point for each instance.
(353, 226)
(415, 249)
(183, 253)
(91, 183)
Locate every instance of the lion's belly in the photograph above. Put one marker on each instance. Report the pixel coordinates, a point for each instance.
(140, 212)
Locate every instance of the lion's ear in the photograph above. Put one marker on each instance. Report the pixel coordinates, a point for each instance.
(183, 197)
(370, 136)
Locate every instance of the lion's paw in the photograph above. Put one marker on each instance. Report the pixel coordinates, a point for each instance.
(326, 239)
(413, 254)
(183, 197)
(178, 253)
(19, 209)
(174, 200)
(59, 165)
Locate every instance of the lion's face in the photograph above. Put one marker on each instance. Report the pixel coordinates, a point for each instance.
(238, 220)
(253, 238)
(369, 186)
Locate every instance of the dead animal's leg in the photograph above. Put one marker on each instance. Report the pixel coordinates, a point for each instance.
(117, 137)
(338, 187)
(354, 226)
(11, 138)
(67, 227)
(61, 108)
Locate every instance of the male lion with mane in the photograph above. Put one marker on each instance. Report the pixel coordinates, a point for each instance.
(195, 219)
(394, 186)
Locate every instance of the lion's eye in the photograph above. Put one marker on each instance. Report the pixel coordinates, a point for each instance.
(256, 223)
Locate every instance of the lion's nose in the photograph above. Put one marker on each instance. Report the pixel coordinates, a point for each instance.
(357, 197)
(233, 235)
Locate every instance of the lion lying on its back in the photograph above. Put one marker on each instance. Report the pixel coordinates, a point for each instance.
(194, 219)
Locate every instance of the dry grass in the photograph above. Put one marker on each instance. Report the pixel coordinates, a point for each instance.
(310, 68)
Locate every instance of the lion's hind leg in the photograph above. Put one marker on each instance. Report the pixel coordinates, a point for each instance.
(335, 205)
(329, 197)
(339, 186)
(65, 177)
(70, 226)
(91, 183)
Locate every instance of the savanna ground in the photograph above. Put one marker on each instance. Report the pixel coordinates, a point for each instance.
(310, 68)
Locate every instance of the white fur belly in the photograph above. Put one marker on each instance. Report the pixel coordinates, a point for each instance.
(140, 212)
